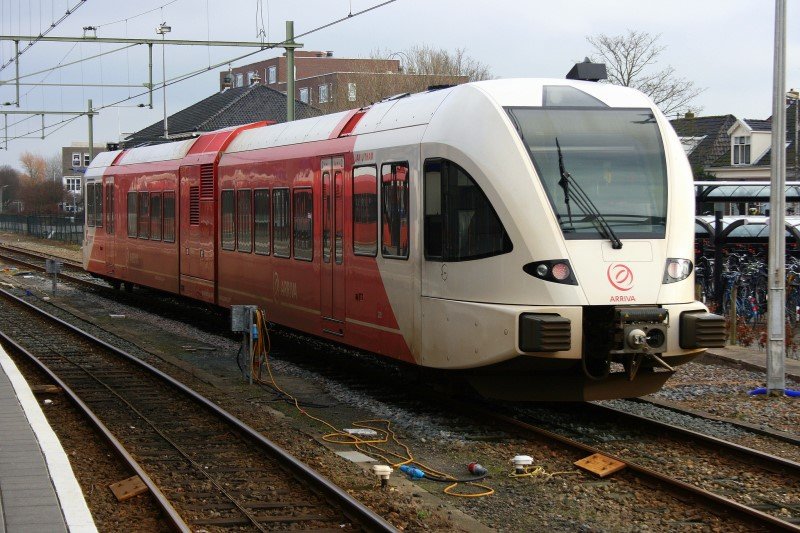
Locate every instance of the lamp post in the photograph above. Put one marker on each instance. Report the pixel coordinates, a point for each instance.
(1, 198)
(162, 30)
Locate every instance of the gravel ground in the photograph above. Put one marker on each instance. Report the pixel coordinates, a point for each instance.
(722, 390)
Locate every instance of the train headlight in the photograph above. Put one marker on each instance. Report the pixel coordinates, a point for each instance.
(561, 271)
(555, 270)
(677, 270)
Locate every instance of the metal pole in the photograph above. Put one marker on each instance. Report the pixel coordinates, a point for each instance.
(90, 115)
(718, 292)
(43, 126)
(164, 77)
(16, 66)
(150, 71)
(776, 347)
(289, 71)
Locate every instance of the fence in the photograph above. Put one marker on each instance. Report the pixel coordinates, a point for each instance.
(61, 228)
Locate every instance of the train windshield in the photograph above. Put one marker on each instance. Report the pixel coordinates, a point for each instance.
(614, 155)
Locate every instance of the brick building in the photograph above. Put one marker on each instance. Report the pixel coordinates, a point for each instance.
(74, 160)
(334, 84)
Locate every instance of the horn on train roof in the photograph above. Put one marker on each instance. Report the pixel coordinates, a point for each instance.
(588, 71)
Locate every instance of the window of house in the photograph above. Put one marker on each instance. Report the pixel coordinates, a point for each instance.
(272, 74)
(244, 220)
(460, 222)
(131, 214)
(76, 159)
(261, 230)
(303, 225)
(394, 208)
(87, 159)
(90, 204)
(73, 184)
(228, 220)
(144, 215)
(239, 80)
(351, 91)
(110, 208)
(304, 94)
(323, 93)
(365, 211)
(741, 150)
(155, 216)
(98, 205)
(169, 216)
(281, 230)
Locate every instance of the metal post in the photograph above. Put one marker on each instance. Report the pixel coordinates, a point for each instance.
(16, 66)
(776, 347)
(150, 72)
(164, 90)
(718, 291)
(42, 126)
(90, 115)
(289, 71)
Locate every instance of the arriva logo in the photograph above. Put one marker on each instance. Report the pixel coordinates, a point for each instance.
(620, 276)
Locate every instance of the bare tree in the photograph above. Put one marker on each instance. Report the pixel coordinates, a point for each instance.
(34, 165)
(53, 169)
(423, 59)
(9, 180)
(631, 61)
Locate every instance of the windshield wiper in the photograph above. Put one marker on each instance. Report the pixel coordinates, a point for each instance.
(585, 203)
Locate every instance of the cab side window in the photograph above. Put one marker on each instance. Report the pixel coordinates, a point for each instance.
(460, 222)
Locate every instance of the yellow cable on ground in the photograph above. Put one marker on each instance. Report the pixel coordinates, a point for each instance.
(261, 348)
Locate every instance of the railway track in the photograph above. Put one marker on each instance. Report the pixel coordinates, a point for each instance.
(35, 261)
(214, 470)
(746, 482)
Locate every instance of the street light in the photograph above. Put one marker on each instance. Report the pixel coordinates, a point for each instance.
(162, 30)
(1, 198)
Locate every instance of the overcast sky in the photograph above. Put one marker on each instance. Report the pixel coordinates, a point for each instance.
(724, 46)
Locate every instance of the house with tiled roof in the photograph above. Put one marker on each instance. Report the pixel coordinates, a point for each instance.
(748, 156)
(229, 107)
(704, 139)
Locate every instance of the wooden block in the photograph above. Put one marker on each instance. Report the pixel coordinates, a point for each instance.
(45, 389)
(600, 465)
(128, 488)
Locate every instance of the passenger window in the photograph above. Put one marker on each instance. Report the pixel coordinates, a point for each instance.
(169, 216)
(460, 222)
(132, 214)
(90, 204)
(228, 220)
(144, 215)
(110, 208)
(281, 221)
(365, 211)
(303, 225)
(394, 202)
(98, 205)
(244, 220)
(155, 216)
(261, 210)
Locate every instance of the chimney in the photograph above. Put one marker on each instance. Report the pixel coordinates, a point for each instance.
(255, 80)
(689, 114)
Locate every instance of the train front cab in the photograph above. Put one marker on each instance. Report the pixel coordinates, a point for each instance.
(558, 315)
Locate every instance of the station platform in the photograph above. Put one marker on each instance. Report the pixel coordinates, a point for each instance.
(752, 358)
(38, 490)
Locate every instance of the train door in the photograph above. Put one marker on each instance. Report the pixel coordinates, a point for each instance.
(332, 295)
(196, 215)
(110, 223)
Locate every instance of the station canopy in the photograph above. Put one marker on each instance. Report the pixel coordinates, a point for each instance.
(744, 229)
(741, 191)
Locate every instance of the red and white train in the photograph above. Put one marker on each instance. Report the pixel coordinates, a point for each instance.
(534, 235)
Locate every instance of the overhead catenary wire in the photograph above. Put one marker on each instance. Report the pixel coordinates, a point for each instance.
(42, 34)
(135, 16)
(210, 67)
